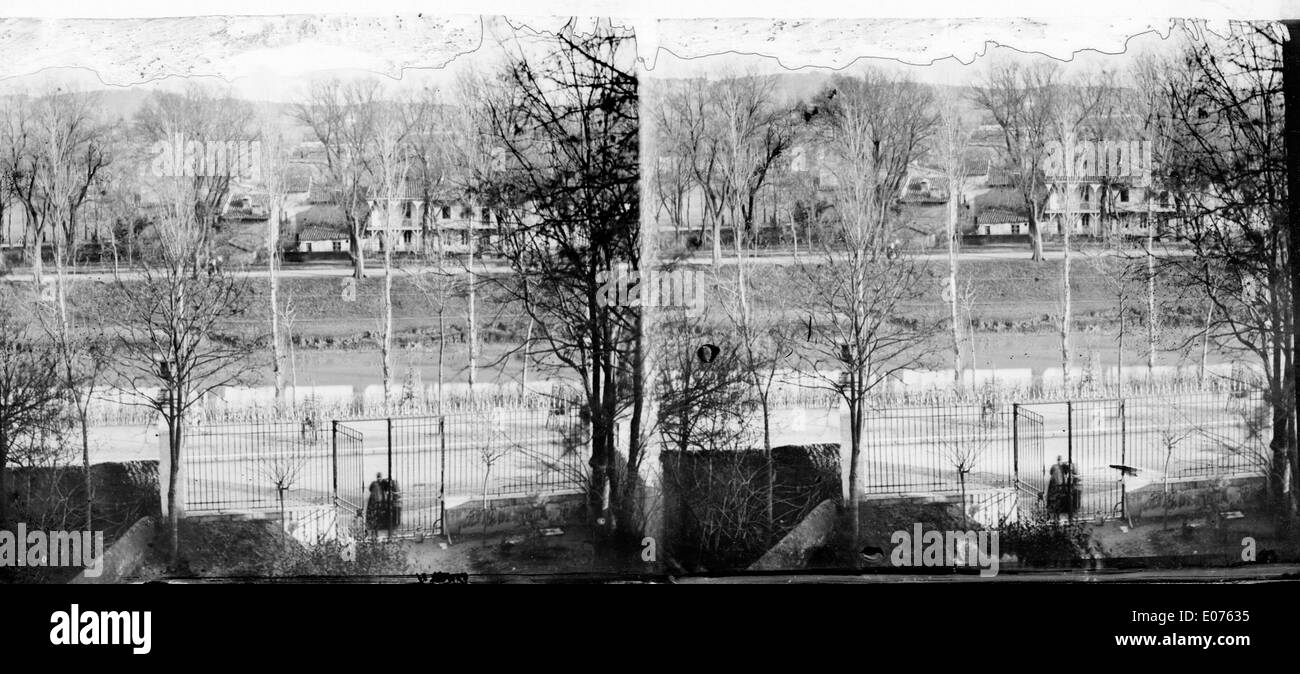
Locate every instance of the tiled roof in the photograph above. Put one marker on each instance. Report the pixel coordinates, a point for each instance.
(321, 233)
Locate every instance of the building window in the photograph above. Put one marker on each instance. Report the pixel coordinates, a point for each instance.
(988, 229)
(308, 246)
(486, 214)
(1123, 195)
(446, 212)
(338, 246)
(406, 237)
(406, 209)
(1015, 229)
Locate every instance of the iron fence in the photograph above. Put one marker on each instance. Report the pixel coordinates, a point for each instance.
(488, 452)
(937, 449)
(257, 466)
(1167, 439)
(1164, 440)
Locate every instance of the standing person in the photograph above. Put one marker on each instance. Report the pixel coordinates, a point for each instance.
(1061, 488)
(375, 506)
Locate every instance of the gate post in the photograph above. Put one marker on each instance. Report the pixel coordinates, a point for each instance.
(1015, 445)
(1069, 433)
(442, 477)
(1123, 460)
(334, 457)
(1069, 458)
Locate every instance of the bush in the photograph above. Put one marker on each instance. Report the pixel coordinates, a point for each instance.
(1042, 541)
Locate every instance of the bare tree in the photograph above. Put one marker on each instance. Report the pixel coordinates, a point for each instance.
(341, 116)
(438, 288)
(1022, 100)
(964, 453)
(1120, 275)
(202, 138)
(1075, 109)
(567, 120)
(1226, 165)
(169, 329)
(389, 167)
(952, 141)
(32, 390)
(686, 126)
(433, 150)
(57, 163)
(873, 127)
(275, 180)
(283, 471)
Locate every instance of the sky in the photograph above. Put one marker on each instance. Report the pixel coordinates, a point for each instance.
(273, 58)
(950, 70)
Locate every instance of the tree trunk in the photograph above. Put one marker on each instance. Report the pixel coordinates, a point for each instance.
(4, 467)
(277, 352)
(717, 242)
(471, 320)
(1035, 236)
(528, 342)
(442, 340)
(1119, 354)
(388, 322)
(1151, 304)
(85, 466)
(1066, 308)
(952, 284)
(1291, 98)
(173, 471)
(962, 478)
(855, 451)
(358, 255)
(1280, 464)
(1205, 341)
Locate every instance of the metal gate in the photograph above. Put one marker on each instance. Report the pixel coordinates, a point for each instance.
(347, 448)
(410, 454)
(1096, 442)
(417, 462)
(1030, 458)
(471, 460)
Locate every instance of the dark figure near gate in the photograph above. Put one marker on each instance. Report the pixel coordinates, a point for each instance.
(1063, 489)
(383, 505)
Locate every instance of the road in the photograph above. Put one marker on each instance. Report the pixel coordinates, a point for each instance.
(493, 266)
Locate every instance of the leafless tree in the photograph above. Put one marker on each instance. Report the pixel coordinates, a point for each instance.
(200, 137)
(55, 169)
(1076, 106)
(964, 453)
(32, 389)
(275, 176)
(1121, 275)
(342, 116)
(283, 471)
(722, 137)
(1227, 166)
(873, 127)
(567, 120)
(390, 167)
(170, 326)
(952, 141)
(1022, 100)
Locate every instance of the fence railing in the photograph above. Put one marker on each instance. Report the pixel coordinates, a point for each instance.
(1167, 439)
(251, 466)
(935, 448)
(483, 453)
